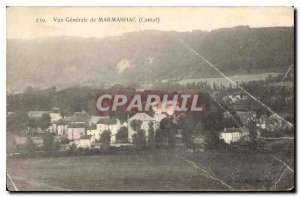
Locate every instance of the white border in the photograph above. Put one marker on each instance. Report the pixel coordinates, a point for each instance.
(4, 3)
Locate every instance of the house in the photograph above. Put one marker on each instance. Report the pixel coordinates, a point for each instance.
(111, 124)
(145, 118)
(34, 131)
(92, 130)
(237, 96)
(104, 123)
(230, 135)
(36, 114)
(263, 122)
(76, 130)
(86, 141)
(60, 127)
(53, 113)
(273, 122)
(95, 119)
(245, 116)
(145, 86)
(78, 125)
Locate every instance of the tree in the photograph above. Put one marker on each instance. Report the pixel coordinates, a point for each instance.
(48, 144)
(213, 123)
(232, 120)
(32, 124)
(187, 124)
(72, 148)
(122, 135)
(151, 136)
(30, 146)
(139, 139)
(167, 131)
(105, 138)
(212, 139)
(16, 122)
(45, 122)
(56, 147)
(252, 129)
(136, 125)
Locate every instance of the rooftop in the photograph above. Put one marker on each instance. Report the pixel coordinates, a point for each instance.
(109, 121)
(85, 137)
(235, 130)
(37, 114)
(77, 125)
(141, 116)
(95, 119)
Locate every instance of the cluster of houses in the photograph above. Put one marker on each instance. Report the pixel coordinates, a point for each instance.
(239, 104)
(264, 123)
(85, 130)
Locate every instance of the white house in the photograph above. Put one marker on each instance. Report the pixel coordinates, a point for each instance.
(111, 124)
(263, 122)
(37, 114)
(145, 118)
(237, 96)
(60, 127)
(75, 131)
(86, 141)
(95, 119)
(92, 130)
(54, 114)
(105, 123)
(234, 134)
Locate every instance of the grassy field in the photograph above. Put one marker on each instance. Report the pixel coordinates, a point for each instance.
(225, 82)
(167, 171)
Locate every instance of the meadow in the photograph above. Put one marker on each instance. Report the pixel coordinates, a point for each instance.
(237, 78)
(163, 171)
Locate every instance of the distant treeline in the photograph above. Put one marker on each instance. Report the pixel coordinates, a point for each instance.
(77, 99)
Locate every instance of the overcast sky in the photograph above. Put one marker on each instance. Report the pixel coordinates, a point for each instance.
(21, 21)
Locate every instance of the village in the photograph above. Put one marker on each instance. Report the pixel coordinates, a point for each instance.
(85, 131)
(150, 99)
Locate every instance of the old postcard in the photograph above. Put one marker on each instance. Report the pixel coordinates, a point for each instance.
(150, 99)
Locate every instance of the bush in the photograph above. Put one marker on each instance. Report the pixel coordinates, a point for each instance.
(139, 139)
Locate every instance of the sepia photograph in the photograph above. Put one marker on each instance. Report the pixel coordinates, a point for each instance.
(150, 99)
